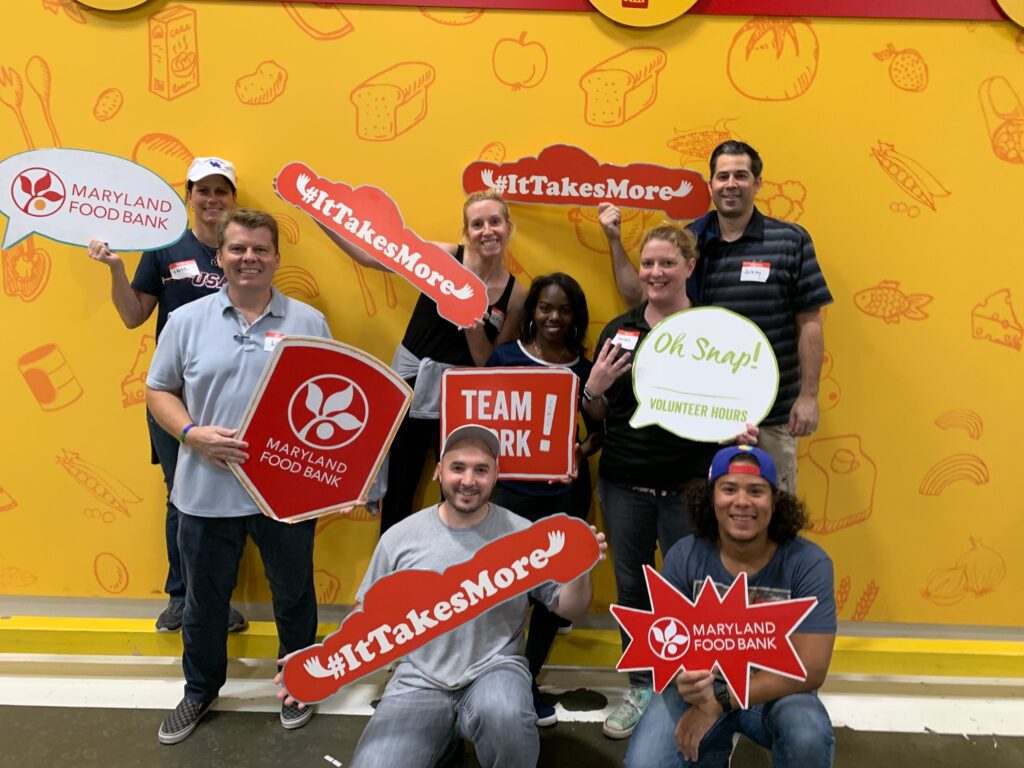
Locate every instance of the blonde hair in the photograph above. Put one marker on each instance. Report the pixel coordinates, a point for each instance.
(477, 197)
(676, 235)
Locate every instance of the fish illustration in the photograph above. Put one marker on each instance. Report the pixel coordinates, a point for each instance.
(888, 302)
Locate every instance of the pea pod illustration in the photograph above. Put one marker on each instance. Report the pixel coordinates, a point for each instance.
(913, 178)
(98, 482)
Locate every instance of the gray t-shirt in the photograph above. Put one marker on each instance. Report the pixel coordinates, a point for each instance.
(213, 360)
(455, 659)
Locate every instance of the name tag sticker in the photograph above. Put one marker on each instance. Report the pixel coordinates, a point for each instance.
(755, 272)
(183, 270)
(496, 318)
(271, 340)
(626, 339)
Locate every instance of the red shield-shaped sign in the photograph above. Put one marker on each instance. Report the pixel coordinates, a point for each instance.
(318, 427)
(533, 410)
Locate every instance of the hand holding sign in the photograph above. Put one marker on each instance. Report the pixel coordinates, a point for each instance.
(73, 195)
(704, 374)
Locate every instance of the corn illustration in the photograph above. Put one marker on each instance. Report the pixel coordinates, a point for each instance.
(907, 68)
(698, 143)
(98, 482)
(913, 178)
(887, 302)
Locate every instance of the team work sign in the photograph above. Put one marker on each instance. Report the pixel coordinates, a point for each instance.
(318, 426)
(533, 410)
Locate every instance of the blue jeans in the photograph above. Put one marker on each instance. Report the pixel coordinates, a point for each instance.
(636, 523)
(166, 448)
(796, 729)
(211, 548)
(416, 729)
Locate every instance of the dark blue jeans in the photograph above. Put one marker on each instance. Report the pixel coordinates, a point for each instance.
(796, 728)
(211, 549)
(636, 524)
(166, 448)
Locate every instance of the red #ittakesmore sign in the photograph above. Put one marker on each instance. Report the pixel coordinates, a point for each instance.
(566, 175)
(533, 410)
(318, 426)
(408, 609)
(370, 220)
(726, 632)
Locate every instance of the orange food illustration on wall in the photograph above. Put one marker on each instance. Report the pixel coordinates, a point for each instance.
(12, 94)
(326, 585)
(911, 177)
(961, 418)
(829, 390)
(994, 320)
(296, 282)
(7, 501)
(591, 236)
(133, 385)
(16, 578)
(864, 602)
(72, 9)
(173, 52)
(104, 515)
(1004, 118)
(40, 80)
(165, 155)
(519, 64)
(492, 152)
(621, 87)
(887, 302)
(262, 86)
(697, 144)
(908, 70)
(978, 571)
(49, 377)
(773, 59)
(782, 200)
(452, 17)
(392, 101)
(26, 270)
(108, 104)
(960, 467)
(98, 481)
(111, 573)
(839, 483)
(288, 228)
(321, 21)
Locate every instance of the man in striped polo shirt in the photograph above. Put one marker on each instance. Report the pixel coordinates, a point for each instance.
(764, 269)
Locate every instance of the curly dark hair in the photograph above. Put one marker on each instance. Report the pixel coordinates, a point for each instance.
(576, 332)
(789, 514)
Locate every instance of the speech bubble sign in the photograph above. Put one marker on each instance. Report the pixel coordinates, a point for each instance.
(532, 409)
(407, 609)
(703, 374)
(77, 195)
(724, 631)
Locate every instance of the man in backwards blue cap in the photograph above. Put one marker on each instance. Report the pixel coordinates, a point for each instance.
(743, 523)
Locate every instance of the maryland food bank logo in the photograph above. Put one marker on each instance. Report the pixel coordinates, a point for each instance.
(328, 412)
(642, 13)
(38, 192)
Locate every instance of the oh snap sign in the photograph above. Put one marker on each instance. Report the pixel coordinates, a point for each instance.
(533, 410)
(703, 374)
(74, 196)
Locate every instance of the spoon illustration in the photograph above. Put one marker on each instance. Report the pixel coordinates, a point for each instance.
(11, 92)
(38, 73)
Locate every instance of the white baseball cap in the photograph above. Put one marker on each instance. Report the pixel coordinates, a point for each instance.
(202, 167)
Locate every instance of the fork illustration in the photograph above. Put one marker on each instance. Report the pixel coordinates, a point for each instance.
(11, 93)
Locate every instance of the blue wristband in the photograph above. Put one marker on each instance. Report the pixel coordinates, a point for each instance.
(181, 437)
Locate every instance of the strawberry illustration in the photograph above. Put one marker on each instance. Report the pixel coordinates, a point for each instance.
(907, 68)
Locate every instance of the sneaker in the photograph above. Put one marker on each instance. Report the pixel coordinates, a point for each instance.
(546, 715)
(236, 621)
(179, 725)
(170, 619)
(620, 723)
(564, 628)
(292, 717)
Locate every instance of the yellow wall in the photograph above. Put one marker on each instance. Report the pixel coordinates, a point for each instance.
(911, 461)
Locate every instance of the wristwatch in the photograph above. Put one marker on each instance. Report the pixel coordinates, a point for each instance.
(722, 695)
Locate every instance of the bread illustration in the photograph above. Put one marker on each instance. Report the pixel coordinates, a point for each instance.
(620, 88)
(262, 86)
(392, 101)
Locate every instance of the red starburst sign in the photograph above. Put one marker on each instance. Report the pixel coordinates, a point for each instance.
(318, 427)
(726, 632)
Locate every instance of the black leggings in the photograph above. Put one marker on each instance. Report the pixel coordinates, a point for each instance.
(414, 439)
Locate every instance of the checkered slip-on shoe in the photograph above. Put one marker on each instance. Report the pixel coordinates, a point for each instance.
(179, 725)
(292, 717)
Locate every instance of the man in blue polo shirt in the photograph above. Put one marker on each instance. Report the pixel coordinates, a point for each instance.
(764, 269)
(208, 363)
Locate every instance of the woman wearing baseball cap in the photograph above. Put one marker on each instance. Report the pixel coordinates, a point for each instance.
(166, 279)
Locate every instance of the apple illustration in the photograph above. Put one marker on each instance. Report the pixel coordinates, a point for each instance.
(519, 64)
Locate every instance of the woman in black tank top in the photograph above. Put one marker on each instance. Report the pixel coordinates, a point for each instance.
(486, 228)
